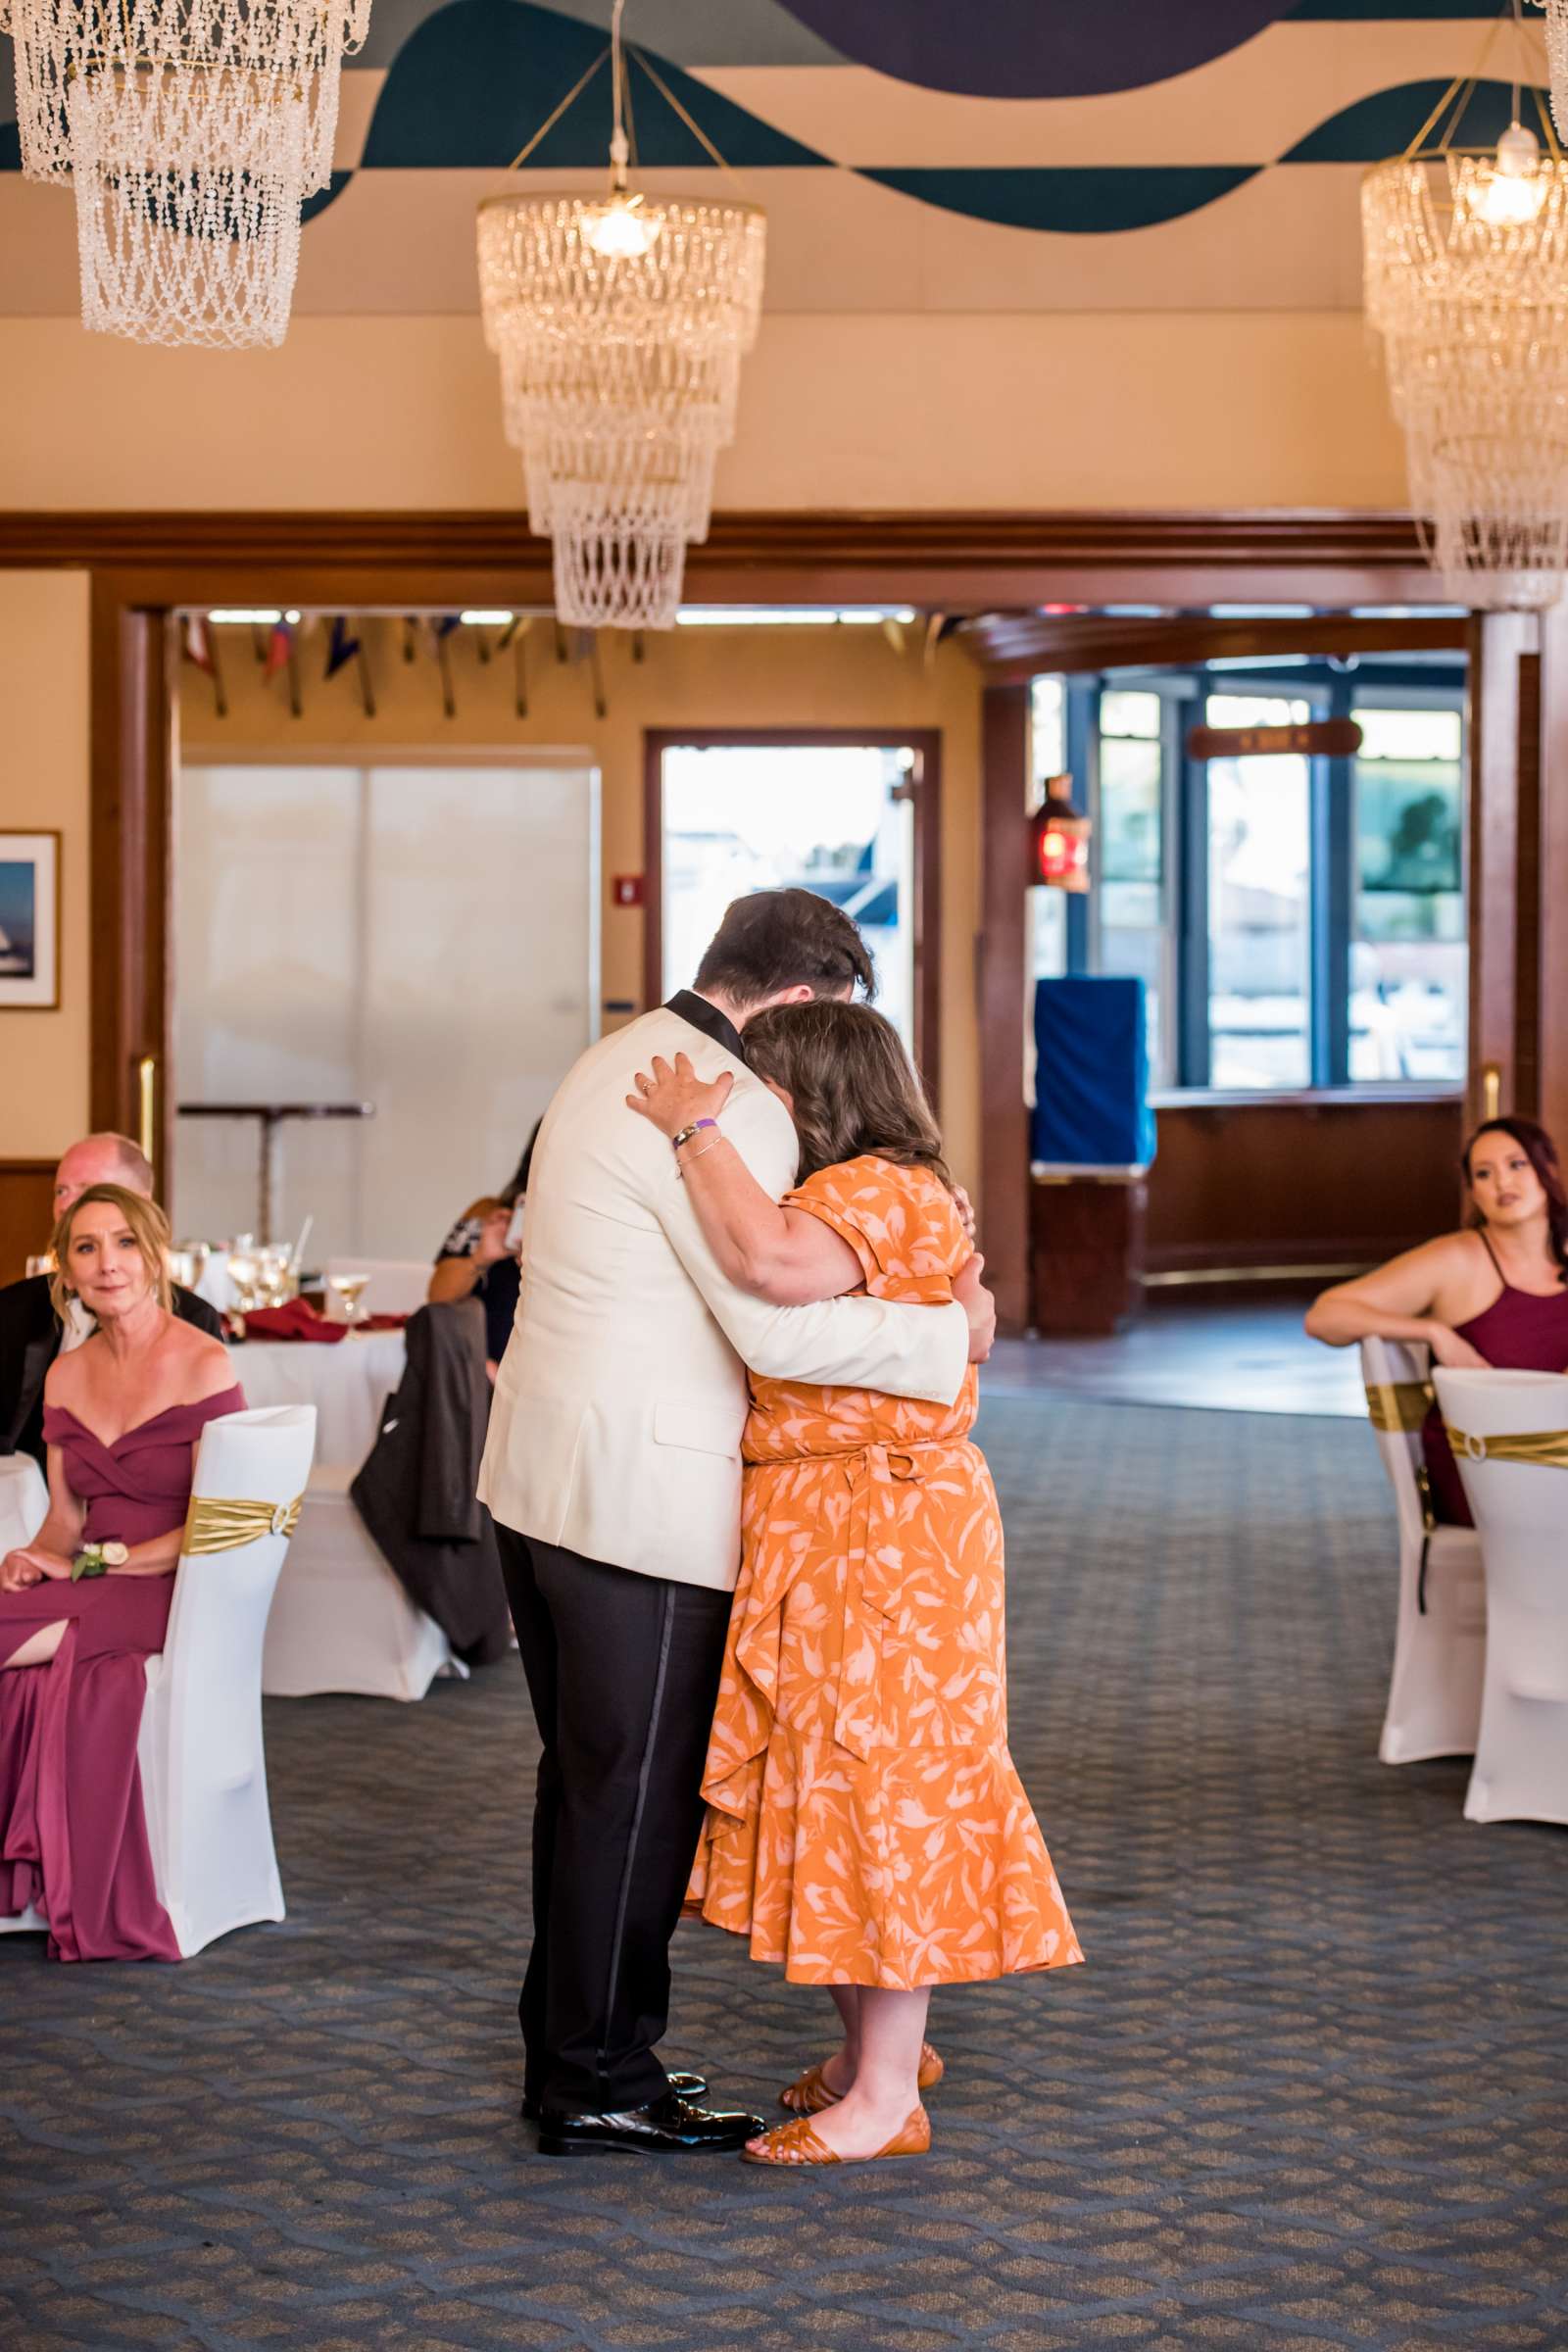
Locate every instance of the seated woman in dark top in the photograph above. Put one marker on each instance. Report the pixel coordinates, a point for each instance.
(1495, 1293)
(474, 1262)
(87, 1602)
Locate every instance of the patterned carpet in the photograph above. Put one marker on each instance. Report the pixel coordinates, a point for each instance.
(1308, 2090)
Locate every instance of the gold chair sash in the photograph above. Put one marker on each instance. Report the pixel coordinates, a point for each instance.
(216, 1524)
(1402, 1404)
(1543, 1449)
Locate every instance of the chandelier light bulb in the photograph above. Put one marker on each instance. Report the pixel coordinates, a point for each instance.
(618, 230)
(1513, 191)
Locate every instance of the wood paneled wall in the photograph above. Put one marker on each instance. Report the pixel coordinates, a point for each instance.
(26, 1212)
(1326, 1183)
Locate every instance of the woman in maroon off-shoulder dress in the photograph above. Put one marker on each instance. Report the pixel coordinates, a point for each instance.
(124, 1413)
(1495, 1293)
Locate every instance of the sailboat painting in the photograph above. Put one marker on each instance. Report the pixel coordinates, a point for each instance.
(29, 922)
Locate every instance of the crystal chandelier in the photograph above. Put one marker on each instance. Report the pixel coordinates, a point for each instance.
(192, 130)
(1557, 57)
(1466, 281)
(290, 48)
(188, 205)
(620, 323)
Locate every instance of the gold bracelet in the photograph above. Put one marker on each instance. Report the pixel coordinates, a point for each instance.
(686, 1158)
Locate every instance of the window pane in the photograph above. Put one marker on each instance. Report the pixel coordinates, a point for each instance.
(1258, 906)
(1125, 713)
(1048, 728)
(1408, 957)
(1131, 937)
(1129, 811)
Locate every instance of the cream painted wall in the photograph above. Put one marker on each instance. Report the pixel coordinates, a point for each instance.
(898, 409)
(44, 784)
(696, 678)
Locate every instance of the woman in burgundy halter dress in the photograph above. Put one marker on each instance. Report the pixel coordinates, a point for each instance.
(1495, 1293)
(87, 1602)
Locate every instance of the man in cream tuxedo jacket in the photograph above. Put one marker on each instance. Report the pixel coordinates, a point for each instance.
(612, 1470)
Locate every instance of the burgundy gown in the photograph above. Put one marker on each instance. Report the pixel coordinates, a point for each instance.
(1518, 1332)
(72, 1836)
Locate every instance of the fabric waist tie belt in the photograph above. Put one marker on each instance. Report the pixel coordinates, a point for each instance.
(214, 1524)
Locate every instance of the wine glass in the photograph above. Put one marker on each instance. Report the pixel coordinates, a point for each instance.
(244, 1273)
(350, 1289)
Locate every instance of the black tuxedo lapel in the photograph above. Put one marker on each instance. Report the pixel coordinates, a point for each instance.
(690, 1007)
(29, 1341)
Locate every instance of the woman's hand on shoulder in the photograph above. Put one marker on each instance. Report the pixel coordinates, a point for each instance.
(675, 1096)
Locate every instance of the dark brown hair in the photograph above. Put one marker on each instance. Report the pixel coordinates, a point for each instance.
(1541, 1153)
(779, 939)
(854, 1088)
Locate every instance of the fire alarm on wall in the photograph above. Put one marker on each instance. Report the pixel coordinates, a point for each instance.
(627, 890)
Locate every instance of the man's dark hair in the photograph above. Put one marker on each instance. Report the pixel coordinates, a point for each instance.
(779, 939)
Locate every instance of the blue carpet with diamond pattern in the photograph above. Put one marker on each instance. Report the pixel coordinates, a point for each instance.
(1308, 2091)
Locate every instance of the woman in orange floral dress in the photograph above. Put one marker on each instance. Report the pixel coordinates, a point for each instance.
(866, 1825)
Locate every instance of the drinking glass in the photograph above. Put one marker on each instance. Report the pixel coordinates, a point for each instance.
(351, 1288)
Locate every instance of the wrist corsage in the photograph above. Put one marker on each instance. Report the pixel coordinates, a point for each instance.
(96, 1559)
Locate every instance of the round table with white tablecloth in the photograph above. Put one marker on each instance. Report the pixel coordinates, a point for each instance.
(347, 1381)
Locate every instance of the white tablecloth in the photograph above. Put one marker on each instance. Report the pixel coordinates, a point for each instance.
(348, 1384)
(24, 1500)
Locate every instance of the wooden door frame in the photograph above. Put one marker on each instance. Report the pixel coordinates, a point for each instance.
(926, 745)
(144, 565)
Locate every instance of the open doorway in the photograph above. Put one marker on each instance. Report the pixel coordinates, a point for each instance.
(847, 814)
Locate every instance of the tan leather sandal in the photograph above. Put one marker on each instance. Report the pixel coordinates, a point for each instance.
(810, 2092)
(799, 2144)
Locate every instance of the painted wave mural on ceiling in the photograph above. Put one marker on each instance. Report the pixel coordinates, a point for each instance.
(1011, 154)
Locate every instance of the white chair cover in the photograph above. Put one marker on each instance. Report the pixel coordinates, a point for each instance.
(1521, 1509)
(23, 1501)
(1440, 1636)
(341, 1620)
(203, 1769)
(398, 1286)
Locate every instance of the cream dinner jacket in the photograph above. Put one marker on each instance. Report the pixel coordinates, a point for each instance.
(619, 1407)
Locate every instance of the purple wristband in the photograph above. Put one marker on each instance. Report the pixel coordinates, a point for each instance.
(686, 1133)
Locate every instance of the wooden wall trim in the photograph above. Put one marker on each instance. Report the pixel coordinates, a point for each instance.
(950, 561)
(1552, 896)
(1014, 647)
(1001, 950)
(1500, 641)
(926, 745)
(26, 1200)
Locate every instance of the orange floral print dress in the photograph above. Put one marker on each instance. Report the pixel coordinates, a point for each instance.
(866, 1822)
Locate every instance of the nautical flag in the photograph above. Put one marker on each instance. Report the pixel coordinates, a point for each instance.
(343, 647)
(279, 646)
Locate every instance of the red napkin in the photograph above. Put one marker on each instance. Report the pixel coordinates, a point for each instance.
(299, 1320)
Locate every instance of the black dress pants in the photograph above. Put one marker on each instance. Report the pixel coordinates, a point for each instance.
(623, 1673)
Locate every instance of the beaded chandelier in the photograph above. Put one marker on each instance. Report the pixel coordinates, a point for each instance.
(192, 131)
(1467, 280)
(620, 323)
(1557, 57)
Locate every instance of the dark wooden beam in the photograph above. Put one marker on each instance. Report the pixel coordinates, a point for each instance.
(1499, 643)
(999, 989)
(1013, 647)
(943, 561)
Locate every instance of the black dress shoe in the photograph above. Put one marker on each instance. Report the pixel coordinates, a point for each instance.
(690, 2087)
(666, 2127)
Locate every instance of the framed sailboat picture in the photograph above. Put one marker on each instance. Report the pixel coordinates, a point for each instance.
(29, 922)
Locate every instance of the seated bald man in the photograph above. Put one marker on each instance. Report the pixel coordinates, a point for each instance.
(31, 1335)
